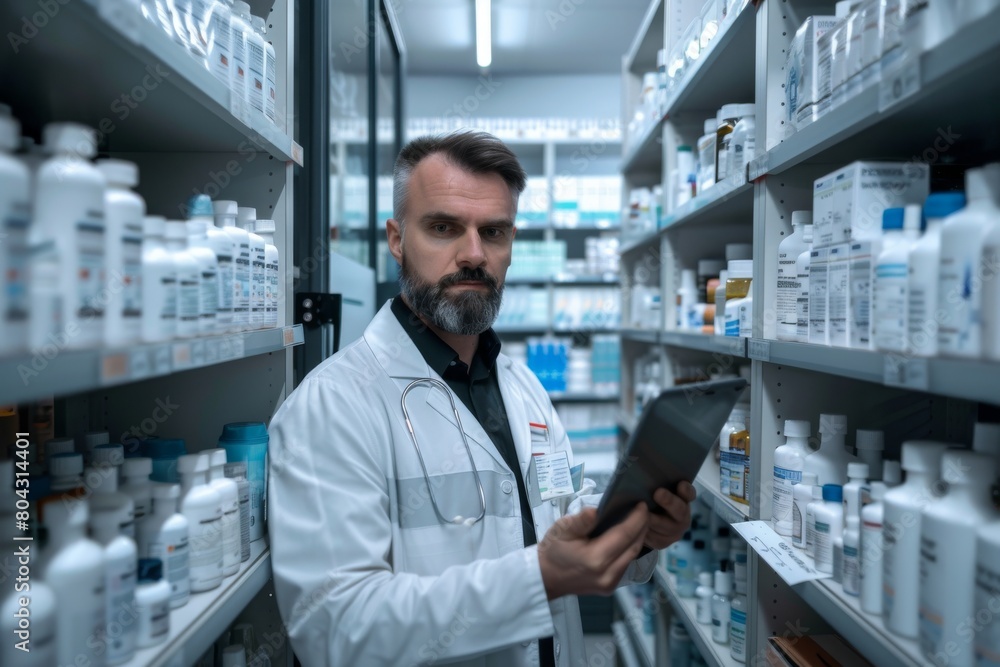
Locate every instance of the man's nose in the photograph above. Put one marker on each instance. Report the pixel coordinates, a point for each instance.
(470, 252)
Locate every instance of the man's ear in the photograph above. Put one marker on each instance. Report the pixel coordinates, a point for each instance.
(394, 235)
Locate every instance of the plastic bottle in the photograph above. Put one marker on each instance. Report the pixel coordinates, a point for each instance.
(829, 462)
(225, 219)
(680, 644)
(986, 440)
(856, 491)
(199, 247)
(738, 608)
(120, 556)
(69, 212)
(272, 272)
(65, 481)
(91, 441)
(720, 606)
(687, 176)
(58, 446)
(240, 76)
(960, 281)
(706, 156)
(989, 272)
(802, 278)
(164, 535)
(136, 485)
(704, 594)
(247, 442)
(75, 571)
(220, 50)
(810, 525)
(229, 492)
(189, 270)
(105, 498)
(202, 506)
(159, 284)
(872, 549)
(733, 424)
(270, 66)
(788, 282)
(124, 211)
(42, 605)
(719, 321)
(258, 281)
(15, 217)
(948, 535)
(900, 230)
(742, 146)
(729, 116)
(738, 278)
(870, 445)
(789, 461)
(152, 604)
(108, 456)
(236, 471)
(745, 310)
(687, 296)
(903, 507)
(802, 495)
(922, 270)
(892, 473)
(852, 556)
(680, 553)
(829, 524)
(987, 641)
(206, 235)
(739, 464)
(256, 81)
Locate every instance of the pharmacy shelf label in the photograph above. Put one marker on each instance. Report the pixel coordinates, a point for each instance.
(783, 558)
(899, 83)
(288, 336)
(182, 356)
(139, 364)
(759, 350)
(239, 346)
(122, 16)
(161, 360)
(114, 367)
(197, 353)
(297, 155)
(906, 372)
(759, 166)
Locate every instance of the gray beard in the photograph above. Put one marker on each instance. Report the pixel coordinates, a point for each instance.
(469, 313)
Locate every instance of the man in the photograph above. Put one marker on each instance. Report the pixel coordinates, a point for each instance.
(389, 549)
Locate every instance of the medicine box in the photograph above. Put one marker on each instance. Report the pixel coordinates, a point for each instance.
(838, 295)
(848, 204)
(819, 280)
(801, 69)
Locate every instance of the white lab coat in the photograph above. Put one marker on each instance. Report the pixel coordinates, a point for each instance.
(364, 572)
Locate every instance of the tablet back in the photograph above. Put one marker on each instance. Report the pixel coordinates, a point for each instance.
(673, 437)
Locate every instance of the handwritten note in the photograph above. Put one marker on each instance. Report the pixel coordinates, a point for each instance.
(788, 562)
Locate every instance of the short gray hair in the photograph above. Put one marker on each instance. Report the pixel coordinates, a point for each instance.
(476, 152)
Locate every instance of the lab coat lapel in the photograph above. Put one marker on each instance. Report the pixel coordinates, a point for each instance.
(439, 402)
(513, 401)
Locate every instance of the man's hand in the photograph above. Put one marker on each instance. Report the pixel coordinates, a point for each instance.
(574, 564)
(667, 528)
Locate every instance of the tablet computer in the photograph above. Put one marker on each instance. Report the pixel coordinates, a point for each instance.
(671, 440)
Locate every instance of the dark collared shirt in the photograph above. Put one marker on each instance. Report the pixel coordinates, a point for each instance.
(479, 389)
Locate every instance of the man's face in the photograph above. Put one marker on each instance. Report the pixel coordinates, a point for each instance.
(456, 246)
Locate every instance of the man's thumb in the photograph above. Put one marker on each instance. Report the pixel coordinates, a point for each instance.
(580, 524)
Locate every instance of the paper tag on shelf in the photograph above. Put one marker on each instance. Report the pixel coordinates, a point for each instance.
(139, 364)
(181, 356)
(297, 155)
(161, 360)
(239, 346)
(114, 367)
(759, 349)
(212, 351)
(788, 562)
(759, 166)
(123, 15)
(198, 353)
(899, 83)
(906, 372)
(288, 336)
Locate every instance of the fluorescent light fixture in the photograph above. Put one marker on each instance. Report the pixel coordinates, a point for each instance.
(484, 48)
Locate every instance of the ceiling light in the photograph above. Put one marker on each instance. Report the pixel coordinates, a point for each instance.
(484, 48)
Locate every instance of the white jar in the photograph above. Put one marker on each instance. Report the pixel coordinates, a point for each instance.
(237, 471)
(120, 556)
(721, 610)
(742, 146)
(829, 517)
(225, 219)
(159, 284)
(789, 461)
(738, 608)
(188, 279)
(272, 273)
(704, 594)
(247, 217)
(229, 493)
(856, 491)
(270, 63)
(208, 265)
(810, 525)
(239, 78)
(42, 605)
(202, 506)
(75, 571)
(788, 286)
(802, 495)
(987, 641)
(889, 289)
(221, 31)
(102, 480)
(802, 278)
(225, 248)
(152, 604)
(829, 462)
(706, 156)
(124, 211)
(69, 212)
(136, 485)
(903, 508)
(164, 535)
(870, 445)
(872, 549)
(15, 217)
(255, 58)
(851, 578)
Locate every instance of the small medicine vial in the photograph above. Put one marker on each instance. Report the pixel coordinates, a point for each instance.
(152, 604)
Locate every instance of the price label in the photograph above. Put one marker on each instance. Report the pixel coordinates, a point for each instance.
(114, 367)
(788, 562)
(197, 353)
(906, 372)
(123, 15)
(297, 155)
(239, 347)
(139, 364)
(181, 356)
(161, 359)
(899, 83)
(759, 349)
(288, 336)
(759, 166)
(212, 351)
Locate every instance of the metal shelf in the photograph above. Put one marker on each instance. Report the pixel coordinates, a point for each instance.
(731, 197)
(138, 62)
(646, 154)
(642, 335)
(625, 650)
(30, 377)
(545, 329)
(588, 397)
(644, 644)
(722, 74)
(707, 486)
(970, 379)
(195, 626)
(632, 243)
(728, 345)
(589, 228)
(568, 281)
(959, 70)
(715, 655)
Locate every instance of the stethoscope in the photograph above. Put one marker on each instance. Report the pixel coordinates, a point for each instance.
(458, 520)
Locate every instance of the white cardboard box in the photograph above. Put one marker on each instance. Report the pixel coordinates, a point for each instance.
(801, 70)
(818, 288)
(838, 295)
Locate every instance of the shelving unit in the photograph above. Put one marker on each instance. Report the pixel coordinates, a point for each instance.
(624, 643)
(715, 655)
(900, 117)
(103, 65)
(642, 644)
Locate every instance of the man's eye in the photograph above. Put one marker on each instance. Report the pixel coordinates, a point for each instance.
(441, 229)
(493, 232)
